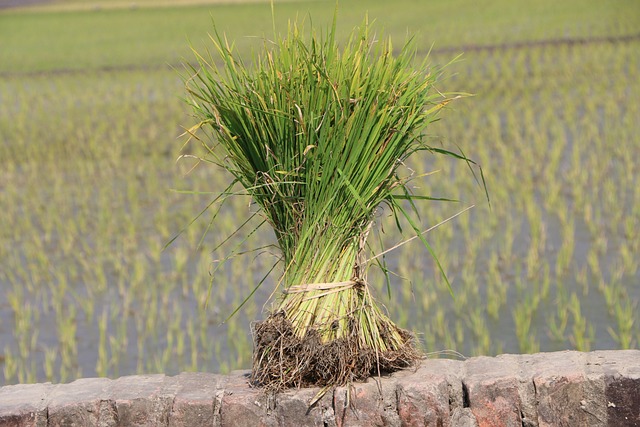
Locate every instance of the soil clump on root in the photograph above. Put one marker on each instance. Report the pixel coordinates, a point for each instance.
(282, 359)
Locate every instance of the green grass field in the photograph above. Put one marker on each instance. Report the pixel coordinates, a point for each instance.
(90, 189)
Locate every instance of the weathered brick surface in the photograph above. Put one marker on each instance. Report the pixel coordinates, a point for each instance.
(197, 400)
(601, 388)
(78, 403)
(622, 386)
(294, 408)
(143, 400)
(427, 396)
(357, 406)
(24, 405)
(244, 406)
(492, 389)
(372, 403)
(463, 417)
(567, 394)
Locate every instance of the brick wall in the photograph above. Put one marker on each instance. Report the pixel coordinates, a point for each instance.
(600, 388)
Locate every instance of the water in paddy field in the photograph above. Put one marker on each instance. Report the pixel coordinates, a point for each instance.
(87, 289)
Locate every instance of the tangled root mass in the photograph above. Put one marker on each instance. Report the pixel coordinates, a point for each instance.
(281, 359)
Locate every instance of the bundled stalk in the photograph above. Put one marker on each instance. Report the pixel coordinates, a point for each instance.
(316, 134)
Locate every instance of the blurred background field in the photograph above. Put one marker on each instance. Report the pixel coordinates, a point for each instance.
(90, 189)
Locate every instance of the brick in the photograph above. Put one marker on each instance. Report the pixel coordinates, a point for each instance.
(425, 396)
(388, 392)
(360, 404)
(24, 405)
(244, 406)
(78, 403)
(526, 389)
(197, 401)
(492, 388)
(621, 371)
(294, 409)
(143, 400)
(567, 395)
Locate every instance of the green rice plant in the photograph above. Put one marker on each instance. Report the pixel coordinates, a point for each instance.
(628, 258)
(557, 322)
(477, 324)
(612, 292)
(544, 285)
(318, 134)
(566, 251)
(50, 356)
(9, 364)
(523, 317)
(625, 314)
(583, 334)
(593, 260)
(102, 364)
(193, 344)
(538, 240)
(496, 287)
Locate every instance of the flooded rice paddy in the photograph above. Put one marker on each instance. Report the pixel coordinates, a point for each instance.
(91, 192)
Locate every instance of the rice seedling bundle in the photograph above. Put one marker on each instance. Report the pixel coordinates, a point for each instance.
(317, 133)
